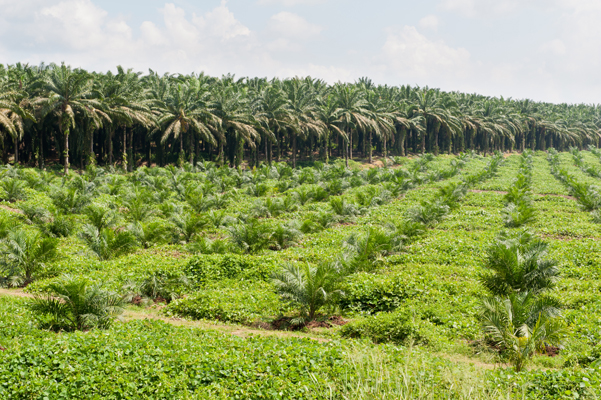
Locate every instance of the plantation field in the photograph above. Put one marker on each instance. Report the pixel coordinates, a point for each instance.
(320, 282)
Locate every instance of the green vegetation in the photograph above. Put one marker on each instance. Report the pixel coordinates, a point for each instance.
(57, 115)
(436, 277)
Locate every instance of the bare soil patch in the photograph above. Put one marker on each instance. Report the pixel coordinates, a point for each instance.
(14, 210)
(14, 293)
(536, 194)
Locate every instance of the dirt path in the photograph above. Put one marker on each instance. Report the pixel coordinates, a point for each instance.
(7, 208)
(236, 330)
(14, 292)
(536, 194)
(241, 331)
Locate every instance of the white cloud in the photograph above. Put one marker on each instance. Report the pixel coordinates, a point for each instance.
(429, 22)
(556, 47)
(479, 8)
(292, 25)
(412, 55)
(290, 3)
(220, 22)
(83, 34)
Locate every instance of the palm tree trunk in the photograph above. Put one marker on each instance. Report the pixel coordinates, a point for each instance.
(124, 148)
(384, 144)
(111, 134)
(423, 142)
(266, 154)
(293, 150)
(402, 141)
(131, 154)
(346, 152)
(436, 130)
(41, 163)
(369, 148)
(66, 151)
(91, 156)
(191, 148)
(350, 147)
(221, 155)
(16, 150)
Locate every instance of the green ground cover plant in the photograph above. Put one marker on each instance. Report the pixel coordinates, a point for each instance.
(391, 269)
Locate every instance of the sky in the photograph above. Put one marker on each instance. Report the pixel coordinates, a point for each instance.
(545, 50)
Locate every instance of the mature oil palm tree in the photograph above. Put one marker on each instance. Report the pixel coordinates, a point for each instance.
(272, 113)
(185, 110)
(353, 113)
(68, 94)
(303, 107)
(14, 111)
(383, 118)
(429, 105)
(126, 104)
(329, 115)
(234, 122)
(493, 123)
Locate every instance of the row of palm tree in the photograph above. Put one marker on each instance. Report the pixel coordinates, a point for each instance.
(57, 113)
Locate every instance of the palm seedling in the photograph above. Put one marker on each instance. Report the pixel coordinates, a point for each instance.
(517, 215)
(7, 225)
(519, 263)
(521, 324)
(318, 193)
(70, 200)
(451, 194)
(138, 207)
(107, 243)
(309, 287)
(219, 219)
(428, 212)
(12, 189)
(364, 250)
(99, 216)
(151, 233)
(270, 207)
(187, 225)
(343, 208)
(204, 245)
(258, 190)
(58, 226)
(219, 201)
(167, 287)
(517, 317)
(286, 235)
(25, 255)
(335, 187)
(303, 194)
(75, 304)
(516, 194)
(318, 221)
(251, 236)
(35, 214)
(198, 201)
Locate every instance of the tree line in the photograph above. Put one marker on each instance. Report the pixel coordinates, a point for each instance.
(55, 113)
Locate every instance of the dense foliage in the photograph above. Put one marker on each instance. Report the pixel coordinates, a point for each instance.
(54, 113)
(400, 256)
